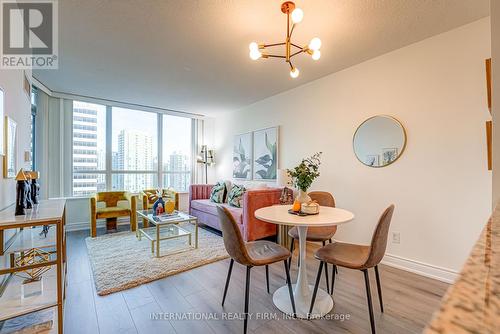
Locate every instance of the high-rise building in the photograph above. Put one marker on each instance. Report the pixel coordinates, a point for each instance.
(135, 153)
(117, 179)
(179, 177)
(85, 153)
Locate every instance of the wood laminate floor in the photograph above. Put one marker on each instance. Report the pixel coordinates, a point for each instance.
(181, 300)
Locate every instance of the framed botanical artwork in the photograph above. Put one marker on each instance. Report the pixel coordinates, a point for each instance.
(9, 159)
(265, 154)
(242, 156)
(389, 155)
(2, 127)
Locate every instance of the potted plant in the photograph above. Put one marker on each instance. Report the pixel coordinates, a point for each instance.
(304, 174)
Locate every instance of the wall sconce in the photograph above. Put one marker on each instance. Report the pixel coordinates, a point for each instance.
(206, 157)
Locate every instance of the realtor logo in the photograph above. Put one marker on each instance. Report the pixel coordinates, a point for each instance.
(29, 34)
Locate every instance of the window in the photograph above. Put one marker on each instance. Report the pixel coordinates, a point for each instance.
(136, 157)
(177, 153)
(32, 123)
(135, 148)
(134, 182)
(89, 148)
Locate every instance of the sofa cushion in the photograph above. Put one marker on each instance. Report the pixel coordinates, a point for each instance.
(218, 193)
(112, 212)
(235, 196)
(207, 206)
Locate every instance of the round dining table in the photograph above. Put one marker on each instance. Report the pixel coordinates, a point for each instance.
(302, 290)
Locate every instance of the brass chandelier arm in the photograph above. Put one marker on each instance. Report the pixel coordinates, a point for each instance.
(296, 53)
(297, 46)
(273, 44)
(272, 56)
(291, 31)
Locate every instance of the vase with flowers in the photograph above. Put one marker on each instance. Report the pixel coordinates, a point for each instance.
(304, 174)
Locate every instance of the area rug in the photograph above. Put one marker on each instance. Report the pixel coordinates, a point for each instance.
(120, 261)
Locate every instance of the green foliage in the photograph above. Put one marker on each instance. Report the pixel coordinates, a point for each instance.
(268, 161)
(304, 174)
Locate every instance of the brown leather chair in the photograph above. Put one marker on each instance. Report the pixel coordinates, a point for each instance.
(317, 234)
(358, 257)
(250, 254)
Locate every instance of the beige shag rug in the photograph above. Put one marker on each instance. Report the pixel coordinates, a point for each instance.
(120, 261)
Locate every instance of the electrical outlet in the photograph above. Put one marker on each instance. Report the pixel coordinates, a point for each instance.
(396, 237)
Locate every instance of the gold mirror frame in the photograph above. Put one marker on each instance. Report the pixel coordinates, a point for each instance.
(402, 149)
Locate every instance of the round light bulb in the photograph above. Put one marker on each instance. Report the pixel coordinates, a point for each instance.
(255, 54)
(316, 54)
(297, 15)
(315, 43)
(253, 46)
(294, 72)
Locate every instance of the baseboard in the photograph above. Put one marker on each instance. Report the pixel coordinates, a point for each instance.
(420, 268)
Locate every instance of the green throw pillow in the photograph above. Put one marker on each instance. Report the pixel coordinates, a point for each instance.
(235, 196)
(218, 193)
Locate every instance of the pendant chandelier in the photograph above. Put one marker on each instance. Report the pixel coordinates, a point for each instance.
(296, 15)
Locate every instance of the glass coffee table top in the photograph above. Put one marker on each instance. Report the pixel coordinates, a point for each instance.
(174, 219)
(164, 228)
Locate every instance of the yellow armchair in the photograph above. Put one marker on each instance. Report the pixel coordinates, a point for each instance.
(112, 209)
(149, 197)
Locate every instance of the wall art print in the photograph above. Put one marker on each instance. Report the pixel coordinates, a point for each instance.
(265, 154)
(242, 156)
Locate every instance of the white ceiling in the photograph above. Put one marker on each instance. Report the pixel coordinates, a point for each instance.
(192, 56)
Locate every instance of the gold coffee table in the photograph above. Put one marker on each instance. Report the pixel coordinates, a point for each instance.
(166, 229)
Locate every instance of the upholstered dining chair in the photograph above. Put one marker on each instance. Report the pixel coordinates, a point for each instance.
(316, 234)
(250, 254)
(359, 257)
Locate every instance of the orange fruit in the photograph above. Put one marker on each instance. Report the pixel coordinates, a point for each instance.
(296, 206)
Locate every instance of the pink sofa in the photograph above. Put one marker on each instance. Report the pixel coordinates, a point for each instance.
(251, 227)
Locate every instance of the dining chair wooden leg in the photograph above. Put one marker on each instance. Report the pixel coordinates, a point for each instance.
(267, 278)
(247, 293)
(227, 280)
(313, 299)
(334, 271)
(290, 291)
(369, 299)
(379, 289)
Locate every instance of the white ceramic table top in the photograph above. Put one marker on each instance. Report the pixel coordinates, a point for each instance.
(278, 214)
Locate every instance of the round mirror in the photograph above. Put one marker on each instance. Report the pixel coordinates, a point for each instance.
(379, 141)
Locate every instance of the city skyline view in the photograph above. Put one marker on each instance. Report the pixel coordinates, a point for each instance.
(134, 150)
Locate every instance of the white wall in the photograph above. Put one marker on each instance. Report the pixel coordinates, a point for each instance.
(495, 52)
(18, 107)
(440, 186)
